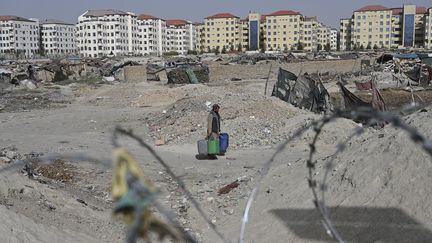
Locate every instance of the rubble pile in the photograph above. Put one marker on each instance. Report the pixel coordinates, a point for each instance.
(250, 119)
(186, 74)
(18, 100)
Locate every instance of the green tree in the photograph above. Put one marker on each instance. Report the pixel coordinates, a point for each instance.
(319, 47)
(209, 50)
(300, 46)
(361, 47)
(375, 47)
(217, 51)
(327, 47)
(369, 46)
(232, 48)
(239, 48)
(223, 50)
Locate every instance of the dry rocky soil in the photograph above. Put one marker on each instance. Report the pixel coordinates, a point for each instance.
(379, 188)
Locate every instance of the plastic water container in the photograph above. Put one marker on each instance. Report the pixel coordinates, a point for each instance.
(223, 142)
(213, 146)
(202, 147)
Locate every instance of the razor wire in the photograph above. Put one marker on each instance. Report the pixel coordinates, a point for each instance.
(119, 130)
(317, 125)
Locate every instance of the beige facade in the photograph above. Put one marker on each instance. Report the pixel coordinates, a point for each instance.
(222, 32)
(345, 34)
(372, 28)
(428, 29)
(379, 26)
(282, 30)
(199, 37)
(244, 33)
(309, 33)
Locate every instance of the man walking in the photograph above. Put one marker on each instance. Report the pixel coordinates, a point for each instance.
(213, 125)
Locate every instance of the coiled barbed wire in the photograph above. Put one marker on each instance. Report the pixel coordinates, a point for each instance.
(118, 130)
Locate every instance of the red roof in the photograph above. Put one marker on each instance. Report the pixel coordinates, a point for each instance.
(372, 8)
(16, 18)
(399, 11)
(283, 12)
(197, 23)
(421, 10)
(222, 16)
(176, 22)
(146, 17)
(262, 19)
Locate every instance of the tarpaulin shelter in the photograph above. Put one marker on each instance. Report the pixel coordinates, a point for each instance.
(352, 102)
(302, 91)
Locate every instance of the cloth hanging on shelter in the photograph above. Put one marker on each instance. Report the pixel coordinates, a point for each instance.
(414, 74)
(364, 86)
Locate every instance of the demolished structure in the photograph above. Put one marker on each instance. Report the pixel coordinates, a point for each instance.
(189, 74)
(301, 91)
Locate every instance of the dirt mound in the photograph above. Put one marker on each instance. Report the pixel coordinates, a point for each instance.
(250, 118)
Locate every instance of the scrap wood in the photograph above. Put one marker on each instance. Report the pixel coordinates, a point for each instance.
(226, 189)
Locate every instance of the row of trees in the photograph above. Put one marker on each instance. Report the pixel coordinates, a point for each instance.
(368, 47)
(298, 46)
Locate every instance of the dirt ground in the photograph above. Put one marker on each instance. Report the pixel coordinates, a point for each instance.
(380, 187)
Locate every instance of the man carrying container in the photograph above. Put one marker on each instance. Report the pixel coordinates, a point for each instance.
(213, 131)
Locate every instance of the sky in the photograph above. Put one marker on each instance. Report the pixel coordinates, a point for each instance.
(328, 11)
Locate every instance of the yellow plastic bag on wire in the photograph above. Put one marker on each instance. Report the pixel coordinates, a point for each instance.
(133, 191)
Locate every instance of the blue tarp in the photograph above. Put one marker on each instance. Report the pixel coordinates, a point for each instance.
(406, 56)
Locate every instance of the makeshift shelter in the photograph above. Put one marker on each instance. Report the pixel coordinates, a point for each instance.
(302, 91)
(351, 102)
(188, 74)
(384, 58)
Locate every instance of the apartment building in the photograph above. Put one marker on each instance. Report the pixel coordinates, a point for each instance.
(345, 34)
(323, 37)
(106, 32)
(222, 32)
(180, 36)
(57, 38)
(377, 26)
(199, 37)
(333, 39)
(428, 29)
(308, 33)
(19, 36)
(282, 30)
(152, 35)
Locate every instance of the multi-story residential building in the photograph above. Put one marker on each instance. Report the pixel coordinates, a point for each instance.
(106, 32)
(333, 39)
(428, 29)
(180, 36)
(345, 34)
(19, 36)
(199, 37)
(244, 35)
(57, 38)
(323, 37)
(152, 35)
(282, 30)
(379, 26)
(253, 37)
(222, 32)
(309, 33)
